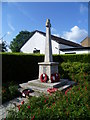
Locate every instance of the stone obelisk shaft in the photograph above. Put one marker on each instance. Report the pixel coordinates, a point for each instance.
(48, 66)
(48, 46)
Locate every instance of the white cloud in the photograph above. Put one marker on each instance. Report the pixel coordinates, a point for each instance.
(75, 34)
(11, 26)
(8, 33)
(56, 35)
(83, 8)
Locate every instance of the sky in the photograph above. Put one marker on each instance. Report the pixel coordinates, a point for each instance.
(69, 20)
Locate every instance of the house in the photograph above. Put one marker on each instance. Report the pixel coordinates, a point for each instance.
(85, 49)
(36, 44)
(86, 42)
(79, 50)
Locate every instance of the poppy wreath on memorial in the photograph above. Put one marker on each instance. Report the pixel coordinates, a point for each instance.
(55, 77)
(44, 77)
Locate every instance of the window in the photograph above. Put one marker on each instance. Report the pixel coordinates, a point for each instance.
(71, 53)
(36, 51)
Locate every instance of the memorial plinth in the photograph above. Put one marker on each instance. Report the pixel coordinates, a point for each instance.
(48, 66)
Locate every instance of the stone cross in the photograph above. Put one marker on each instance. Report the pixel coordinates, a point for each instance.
(48, 46)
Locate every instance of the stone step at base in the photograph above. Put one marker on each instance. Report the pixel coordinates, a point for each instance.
(68, 85)
(38, 87)
(40, 84)
(62, 87)
(23, 85)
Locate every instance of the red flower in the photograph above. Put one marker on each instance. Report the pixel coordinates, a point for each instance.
(79, 88)
(18, 107)
(67, 90)
(33, 118)
(85, 88)
(29, 107)
(53, 103)
(50, 94)
(52, 90)
(49, 106)
(22, 102)
(45, 101)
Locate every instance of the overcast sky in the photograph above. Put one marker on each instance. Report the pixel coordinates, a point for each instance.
(68, 19)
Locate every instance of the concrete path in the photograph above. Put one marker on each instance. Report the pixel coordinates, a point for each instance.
(8, 105)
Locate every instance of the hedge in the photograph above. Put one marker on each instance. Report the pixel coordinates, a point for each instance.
(84, 58)
(20, 67)
(24, 67)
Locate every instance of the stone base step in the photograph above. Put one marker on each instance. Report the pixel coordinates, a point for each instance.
(67, 85)
(40, 84)
(38, 87)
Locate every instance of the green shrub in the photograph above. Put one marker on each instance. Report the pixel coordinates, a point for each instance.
(9, 91)
(21, 67)
(73, 104)
(13, 90)
(75, 71)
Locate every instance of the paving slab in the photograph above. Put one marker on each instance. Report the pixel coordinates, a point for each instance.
(10, 105)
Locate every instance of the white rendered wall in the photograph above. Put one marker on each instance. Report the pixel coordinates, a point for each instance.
(55, 49)
(38, 41)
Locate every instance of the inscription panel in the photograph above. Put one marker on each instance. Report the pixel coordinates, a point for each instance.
(44, 69)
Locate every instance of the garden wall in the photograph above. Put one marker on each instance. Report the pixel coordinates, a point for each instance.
(21, 67)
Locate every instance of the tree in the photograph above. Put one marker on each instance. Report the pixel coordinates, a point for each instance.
(4, 46)
(19, 40)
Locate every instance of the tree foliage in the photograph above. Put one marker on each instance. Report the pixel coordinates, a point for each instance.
(4, 46)
(19, 40)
